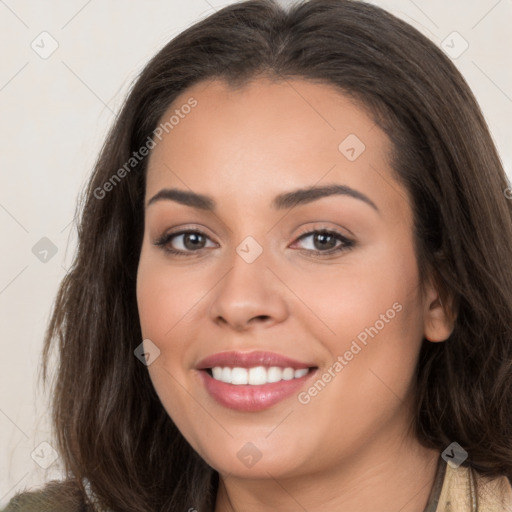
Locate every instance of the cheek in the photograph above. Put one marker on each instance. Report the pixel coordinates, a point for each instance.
(163, 302)
(372, 314)
(169, 300)
(386, 322)
(346, 298)
(156, 306)
(165, 296)
(376, 318)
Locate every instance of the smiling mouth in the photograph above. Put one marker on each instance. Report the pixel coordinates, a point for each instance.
(257, 375)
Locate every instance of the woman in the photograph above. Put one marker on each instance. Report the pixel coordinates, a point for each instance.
(292, 289)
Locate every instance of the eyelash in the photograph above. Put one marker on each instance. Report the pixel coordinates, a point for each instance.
(346, 244)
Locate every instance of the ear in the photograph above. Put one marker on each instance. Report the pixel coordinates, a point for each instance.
(438, 321)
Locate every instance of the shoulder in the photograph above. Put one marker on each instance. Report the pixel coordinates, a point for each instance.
(464, 489)
(56, 496)
(494, 494)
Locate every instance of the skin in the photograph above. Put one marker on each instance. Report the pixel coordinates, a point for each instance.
(350, 446)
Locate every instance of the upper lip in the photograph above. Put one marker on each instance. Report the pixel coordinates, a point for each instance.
(249, 360)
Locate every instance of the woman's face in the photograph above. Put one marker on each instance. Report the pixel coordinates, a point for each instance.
(286, 332)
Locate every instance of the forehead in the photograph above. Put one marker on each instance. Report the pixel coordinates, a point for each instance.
(266, 136)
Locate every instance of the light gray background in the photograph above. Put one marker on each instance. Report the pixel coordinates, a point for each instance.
(55, 112)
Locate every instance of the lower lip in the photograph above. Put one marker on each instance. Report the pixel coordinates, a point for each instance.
(252, 398)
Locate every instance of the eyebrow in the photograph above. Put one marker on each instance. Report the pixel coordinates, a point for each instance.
(280, 202)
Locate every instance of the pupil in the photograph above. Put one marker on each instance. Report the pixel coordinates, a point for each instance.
(323, 237)
(194, 238)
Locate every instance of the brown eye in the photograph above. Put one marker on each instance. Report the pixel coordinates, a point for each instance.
(193, 241)
(325, 242)
(183, 242)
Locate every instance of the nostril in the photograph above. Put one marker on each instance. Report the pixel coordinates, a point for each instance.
(262, 317)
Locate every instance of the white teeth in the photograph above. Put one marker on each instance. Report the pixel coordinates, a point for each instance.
(300, 373)
(257, 375)
(239, 376)
(226, 375)
(274, 374)
(288, 373)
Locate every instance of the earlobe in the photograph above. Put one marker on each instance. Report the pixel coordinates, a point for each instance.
(438, 324)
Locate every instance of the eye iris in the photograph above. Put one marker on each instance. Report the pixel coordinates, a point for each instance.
(195, 239)
(323, 238)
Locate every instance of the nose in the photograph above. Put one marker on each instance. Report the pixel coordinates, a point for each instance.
(248, 295)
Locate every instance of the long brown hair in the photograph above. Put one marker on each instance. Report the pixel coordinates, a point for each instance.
(111, 428)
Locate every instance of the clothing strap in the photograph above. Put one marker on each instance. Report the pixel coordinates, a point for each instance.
(435, 492)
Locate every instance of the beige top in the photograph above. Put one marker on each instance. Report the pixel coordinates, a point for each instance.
(454, 490)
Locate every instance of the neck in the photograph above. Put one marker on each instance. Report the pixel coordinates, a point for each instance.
(396, 477)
